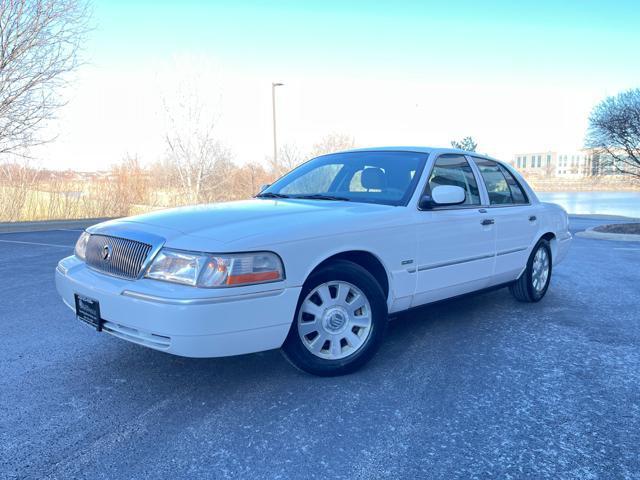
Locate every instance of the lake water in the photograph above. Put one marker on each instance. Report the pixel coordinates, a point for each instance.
(610, 203)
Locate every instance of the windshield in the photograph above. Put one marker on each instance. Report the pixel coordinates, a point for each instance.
(372, 177)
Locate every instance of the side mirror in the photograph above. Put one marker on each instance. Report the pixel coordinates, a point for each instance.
(264, 186)
(443, 195)
(448, 195)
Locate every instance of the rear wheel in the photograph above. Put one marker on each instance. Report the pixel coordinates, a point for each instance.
(340, 320)
(534, 282)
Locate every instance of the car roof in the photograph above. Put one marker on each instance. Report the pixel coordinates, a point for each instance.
(427, 150)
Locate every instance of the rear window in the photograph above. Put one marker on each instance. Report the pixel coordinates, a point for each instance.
(517, 192)
(502, 187)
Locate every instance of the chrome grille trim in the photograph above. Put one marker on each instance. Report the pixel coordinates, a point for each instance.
(127, 256)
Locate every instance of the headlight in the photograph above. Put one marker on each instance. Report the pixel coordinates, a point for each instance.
(81, 246)
(176, 266)
(211, 270)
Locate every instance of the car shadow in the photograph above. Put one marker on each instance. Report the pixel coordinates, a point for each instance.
(134, 373)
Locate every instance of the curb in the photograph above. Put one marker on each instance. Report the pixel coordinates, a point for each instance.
(601, 216)
(618, 237)
(15, 227)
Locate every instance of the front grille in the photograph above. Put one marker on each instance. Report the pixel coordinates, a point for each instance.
(116, 256)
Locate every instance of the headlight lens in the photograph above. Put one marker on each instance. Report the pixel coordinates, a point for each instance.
(210, 270)
(175, 266)
(81, 246)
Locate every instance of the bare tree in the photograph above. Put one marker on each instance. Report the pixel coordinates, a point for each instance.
(467, 144)
(200, 161)
(289, 157)
(246, 181)
(333, 142)
(39, 44)
(16, 181)
(614, 133)
(129, 183)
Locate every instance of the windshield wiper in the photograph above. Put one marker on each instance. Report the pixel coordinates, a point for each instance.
(320, 196)
(272, 195)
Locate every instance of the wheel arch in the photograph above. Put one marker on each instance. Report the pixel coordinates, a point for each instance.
(366, 260)
(553, 243)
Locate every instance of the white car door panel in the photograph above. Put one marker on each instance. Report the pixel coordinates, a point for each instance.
(515, 233)
(456, 244)
(516, 222)
(456, 254)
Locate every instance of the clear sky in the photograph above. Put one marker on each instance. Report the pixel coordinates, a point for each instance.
(517, 76)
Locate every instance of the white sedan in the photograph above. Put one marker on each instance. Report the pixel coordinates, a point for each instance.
(318, 260)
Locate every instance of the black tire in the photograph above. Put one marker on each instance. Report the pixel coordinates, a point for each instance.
(340, 270)
(523, 289)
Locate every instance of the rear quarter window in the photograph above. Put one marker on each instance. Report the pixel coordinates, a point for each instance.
(502, 186)
(517, 192)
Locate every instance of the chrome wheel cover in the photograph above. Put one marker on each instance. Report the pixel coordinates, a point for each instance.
(334, 321)
(540, 270)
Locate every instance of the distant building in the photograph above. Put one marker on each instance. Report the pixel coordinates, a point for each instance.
(576, 164)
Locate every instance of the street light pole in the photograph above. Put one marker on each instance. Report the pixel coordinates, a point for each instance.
(273, 102)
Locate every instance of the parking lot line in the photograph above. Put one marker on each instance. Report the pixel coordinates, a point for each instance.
(37, 243)
(41, 231)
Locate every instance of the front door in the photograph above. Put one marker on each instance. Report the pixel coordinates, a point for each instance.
(456, 245)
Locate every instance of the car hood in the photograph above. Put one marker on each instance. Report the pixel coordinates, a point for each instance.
(268, 221)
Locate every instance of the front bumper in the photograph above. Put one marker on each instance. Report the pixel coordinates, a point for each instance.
(182, 320)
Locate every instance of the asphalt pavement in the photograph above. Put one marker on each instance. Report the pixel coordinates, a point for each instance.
(479, 387)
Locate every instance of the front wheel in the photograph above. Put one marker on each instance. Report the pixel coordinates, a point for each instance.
(340, 321)
(534, 282)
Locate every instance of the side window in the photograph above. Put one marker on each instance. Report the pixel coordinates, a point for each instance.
(517, 192)
(455, 170)
(502, 187)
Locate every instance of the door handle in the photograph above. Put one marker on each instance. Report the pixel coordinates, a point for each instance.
(488, 221)
(533, 218)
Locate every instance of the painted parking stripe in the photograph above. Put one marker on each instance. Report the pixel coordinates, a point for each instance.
(37, 243)
(41, 231)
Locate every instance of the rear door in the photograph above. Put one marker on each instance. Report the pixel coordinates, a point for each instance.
(516, 224)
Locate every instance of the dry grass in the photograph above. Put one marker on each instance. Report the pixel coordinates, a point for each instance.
(29, 197)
